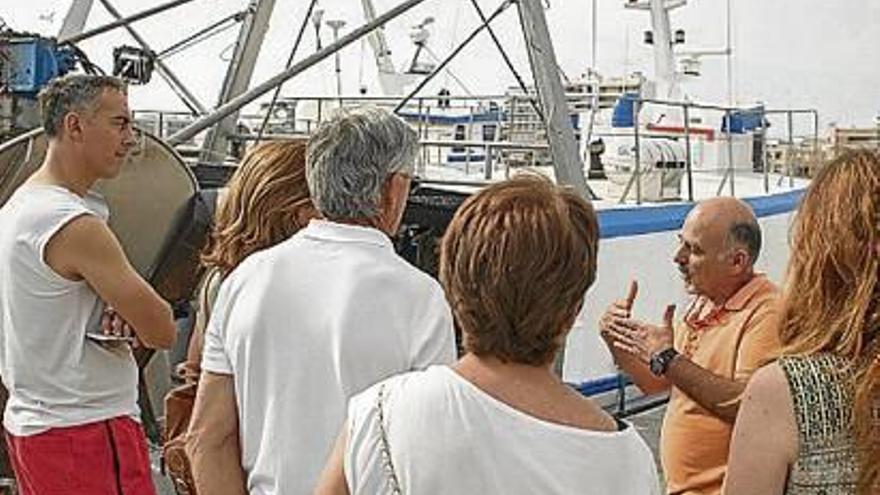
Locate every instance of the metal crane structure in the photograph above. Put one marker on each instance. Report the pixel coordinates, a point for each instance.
(238, 75)
(238, 92)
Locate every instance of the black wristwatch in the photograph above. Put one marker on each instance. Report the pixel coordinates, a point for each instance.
(660, 361)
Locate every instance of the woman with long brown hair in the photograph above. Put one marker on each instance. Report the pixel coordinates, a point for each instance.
(808, 423)
(267, 201)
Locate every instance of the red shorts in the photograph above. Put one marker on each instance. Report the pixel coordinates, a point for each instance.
(105, 458)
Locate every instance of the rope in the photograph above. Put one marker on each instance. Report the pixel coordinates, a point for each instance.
(507, 60)
(201, 35)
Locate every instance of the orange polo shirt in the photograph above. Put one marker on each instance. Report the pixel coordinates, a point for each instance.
(731, 341)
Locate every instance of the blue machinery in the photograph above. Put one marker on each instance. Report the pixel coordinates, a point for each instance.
(27, 63)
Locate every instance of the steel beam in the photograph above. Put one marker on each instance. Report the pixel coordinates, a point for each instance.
(75, 20)
(239, 74)
(236, 103)
(113, 25)
(563, 147)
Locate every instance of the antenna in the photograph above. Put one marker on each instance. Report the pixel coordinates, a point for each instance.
(316, 22)
(595, 28)
(729, 49)
(336, 25)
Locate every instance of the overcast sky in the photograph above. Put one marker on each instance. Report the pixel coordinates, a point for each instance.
(807, 53)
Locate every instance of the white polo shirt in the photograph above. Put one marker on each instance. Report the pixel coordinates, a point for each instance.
(303, 327)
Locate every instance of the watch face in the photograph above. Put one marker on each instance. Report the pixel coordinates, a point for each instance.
(656, 365)
(660, 361)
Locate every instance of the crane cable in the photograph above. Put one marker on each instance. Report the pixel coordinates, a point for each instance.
(299, 36)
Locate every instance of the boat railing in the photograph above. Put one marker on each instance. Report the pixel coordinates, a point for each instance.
(490, 162)
(302, 114)
(800, 153)
(728, 173)
(446, 125)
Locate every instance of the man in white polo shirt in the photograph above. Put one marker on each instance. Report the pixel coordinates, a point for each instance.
(301, 327)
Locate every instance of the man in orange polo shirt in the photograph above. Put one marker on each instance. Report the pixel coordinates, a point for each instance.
(728, 331)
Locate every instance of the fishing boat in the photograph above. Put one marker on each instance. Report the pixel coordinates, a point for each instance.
(644, 151)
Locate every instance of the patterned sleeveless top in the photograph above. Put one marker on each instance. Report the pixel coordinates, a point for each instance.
(823, 390)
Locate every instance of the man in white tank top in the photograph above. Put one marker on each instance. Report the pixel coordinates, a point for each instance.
(71, 421)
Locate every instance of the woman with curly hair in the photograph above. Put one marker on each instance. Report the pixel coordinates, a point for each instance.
(267, 201)
(809, 423)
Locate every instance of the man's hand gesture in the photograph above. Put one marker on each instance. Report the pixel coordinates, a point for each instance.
(618, 311)
(641, 339)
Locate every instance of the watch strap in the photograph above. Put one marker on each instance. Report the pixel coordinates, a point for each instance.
(660, 361)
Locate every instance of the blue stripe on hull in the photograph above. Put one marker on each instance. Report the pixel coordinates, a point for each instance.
(601, 385)
(624, 222)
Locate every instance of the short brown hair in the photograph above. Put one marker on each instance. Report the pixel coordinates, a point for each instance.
(267, 197)
(516, 262)
(73, 93)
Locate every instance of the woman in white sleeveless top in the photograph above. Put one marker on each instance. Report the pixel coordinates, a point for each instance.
(515, 262)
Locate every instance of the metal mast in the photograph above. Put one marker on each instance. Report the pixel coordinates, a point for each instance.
(664, 56)
(238, 76)
(563, 147)
(75, 20)
(234, 105)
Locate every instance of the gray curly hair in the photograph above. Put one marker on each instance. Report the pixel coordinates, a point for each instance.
(350, 157)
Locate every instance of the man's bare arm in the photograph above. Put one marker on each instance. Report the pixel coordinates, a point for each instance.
(212, 441)
(720, 396)
(86, 249)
